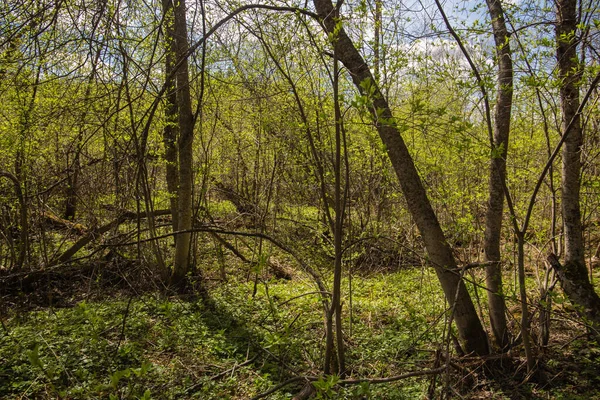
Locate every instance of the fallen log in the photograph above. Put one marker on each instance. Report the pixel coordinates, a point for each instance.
(52, 220)
(93, 234)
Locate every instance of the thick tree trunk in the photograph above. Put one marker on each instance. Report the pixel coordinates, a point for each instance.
(467, 321)
(185, 120)
(580, 293)
(575, 280)
(493, 217)
(569, 74)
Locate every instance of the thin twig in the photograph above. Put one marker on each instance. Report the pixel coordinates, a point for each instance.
(284, 384)
(344, 382)
(122, 335)
(221, 374)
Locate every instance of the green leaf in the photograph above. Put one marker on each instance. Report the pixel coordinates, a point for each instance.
(497, 151)
(34, 356)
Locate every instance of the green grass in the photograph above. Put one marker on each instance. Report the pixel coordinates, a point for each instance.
(151, 346)
(157, 347)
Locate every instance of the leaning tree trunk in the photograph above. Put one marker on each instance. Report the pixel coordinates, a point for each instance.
(574, 277)
(467, 321)
(185, 121)
(493, 217)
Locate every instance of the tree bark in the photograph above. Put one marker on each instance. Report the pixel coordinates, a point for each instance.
(467, 321)
(570, 75)
(72, 185)
(171, 129)
(580, 293)
(575, 280)
(339, 205)
(377, 41)
(493, 217)
(24, 224)
(185, 121)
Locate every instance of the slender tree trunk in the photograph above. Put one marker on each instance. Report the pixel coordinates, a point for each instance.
(493, 217)
(72, 184)
(467, 321)
(338, 232)
(24, 225)
(574, 278)
(185, 121)
(377, 42)
(171, 129)
(74, 169)
(525, 320)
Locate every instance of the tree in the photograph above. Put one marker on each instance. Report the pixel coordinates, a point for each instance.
(440, 254)
(574, 277)
(185, 121)
(24, 224)
(494, 212)
(171, 131)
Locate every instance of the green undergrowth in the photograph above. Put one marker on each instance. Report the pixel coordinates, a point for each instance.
(229, 345)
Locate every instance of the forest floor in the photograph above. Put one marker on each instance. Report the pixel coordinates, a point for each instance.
(113, 331)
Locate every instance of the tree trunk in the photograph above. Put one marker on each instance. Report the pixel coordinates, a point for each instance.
(171, 131)
(525, 320)
(575, 280)
(580, 293)
(339, 205)
(377, 42)
(185, 121)
(569, 74)
(74, 168)
(493, 217)
(467, 321)
(23, 223)
(72, 184)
